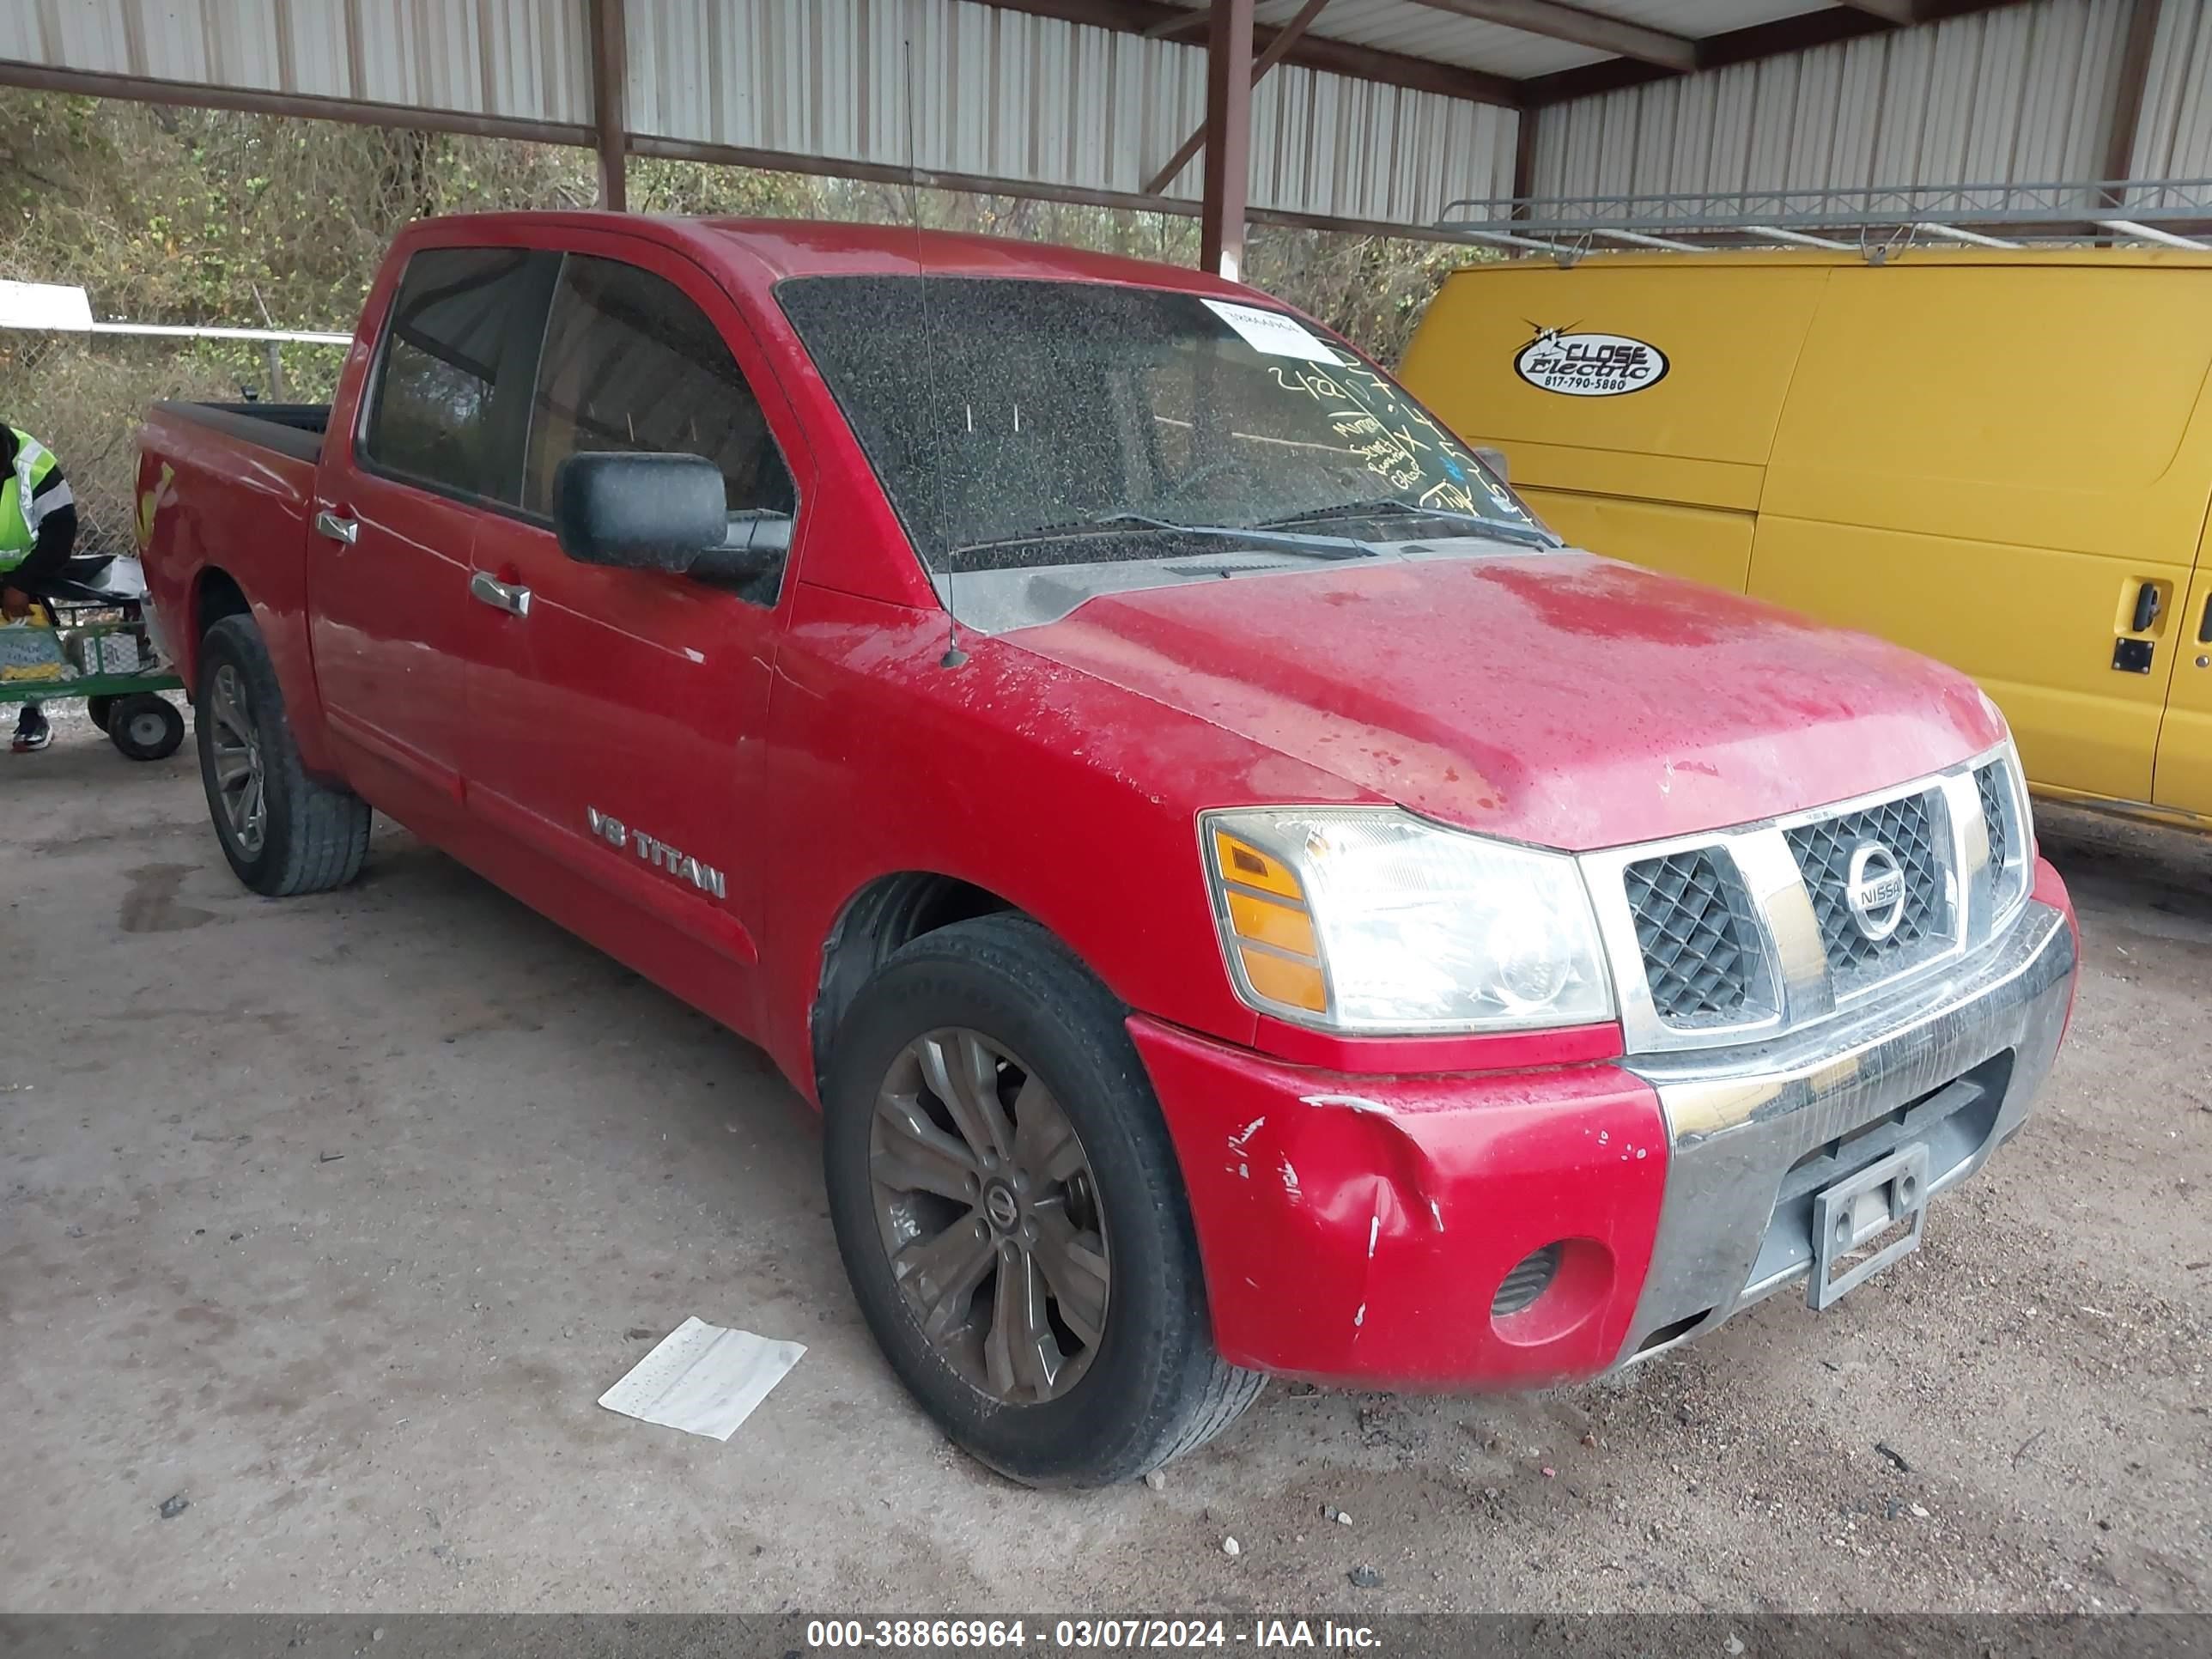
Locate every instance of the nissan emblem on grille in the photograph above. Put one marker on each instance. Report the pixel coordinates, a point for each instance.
(1874, 889)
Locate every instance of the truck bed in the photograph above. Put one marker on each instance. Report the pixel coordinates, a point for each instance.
(294, 429)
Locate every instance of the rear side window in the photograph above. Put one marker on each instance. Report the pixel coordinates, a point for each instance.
(630, 363)
(451, 360)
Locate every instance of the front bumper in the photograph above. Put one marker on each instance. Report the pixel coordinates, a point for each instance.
(1360, 1228)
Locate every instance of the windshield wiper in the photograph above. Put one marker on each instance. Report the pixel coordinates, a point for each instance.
(1506, 530)
(1313, 547)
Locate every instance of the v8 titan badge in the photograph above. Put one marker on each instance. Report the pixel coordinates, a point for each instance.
(1580, 365)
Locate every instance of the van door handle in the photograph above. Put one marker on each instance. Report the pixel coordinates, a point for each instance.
(345, 531)
(2146, 607)
(510, 597)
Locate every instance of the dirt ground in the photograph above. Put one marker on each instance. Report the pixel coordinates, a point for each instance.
(333, 1217)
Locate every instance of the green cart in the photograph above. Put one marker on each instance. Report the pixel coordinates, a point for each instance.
(98, 649)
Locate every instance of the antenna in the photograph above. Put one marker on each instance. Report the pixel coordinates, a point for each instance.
(954, 656)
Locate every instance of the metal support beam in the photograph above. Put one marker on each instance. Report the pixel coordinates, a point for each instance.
(312, 106)
(1392, 68)
(1524, 160)
(1784, 36)
(1228, 137)
(609, 100)
(1266, 60)
(1901, 12)
(1557, 21)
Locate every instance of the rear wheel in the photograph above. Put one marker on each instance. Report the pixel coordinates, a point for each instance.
(97, 710)
(1012, 1216)
(144, 727)
(282, 832)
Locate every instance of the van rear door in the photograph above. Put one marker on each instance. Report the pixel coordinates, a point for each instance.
(1635, 395)
(2002, 465)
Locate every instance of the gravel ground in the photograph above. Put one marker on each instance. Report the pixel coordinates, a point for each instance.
(329, 1218)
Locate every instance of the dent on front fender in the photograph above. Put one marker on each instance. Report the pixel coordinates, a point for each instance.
(1358, 1227)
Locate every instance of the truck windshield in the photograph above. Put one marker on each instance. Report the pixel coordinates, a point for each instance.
(1018, 423)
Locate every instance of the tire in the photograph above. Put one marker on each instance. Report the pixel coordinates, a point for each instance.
(1151, 1386)
(97, 709)
(144, 727)
(310, 837)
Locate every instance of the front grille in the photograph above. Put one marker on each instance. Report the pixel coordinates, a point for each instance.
(1530, 1278)
(1701, 955)
(1989, 784)
(1911, 830)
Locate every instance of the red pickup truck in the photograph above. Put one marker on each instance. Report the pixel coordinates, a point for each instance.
(1245, 897)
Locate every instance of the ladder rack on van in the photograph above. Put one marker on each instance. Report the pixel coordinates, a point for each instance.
(1876, 222)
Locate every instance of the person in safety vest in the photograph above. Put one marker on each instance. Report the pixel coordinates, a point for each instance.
(38, 525)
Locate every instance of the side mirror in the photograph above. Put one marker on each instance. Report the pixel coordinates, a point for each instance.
(638, 511)
(754, 543)
(1494, 459)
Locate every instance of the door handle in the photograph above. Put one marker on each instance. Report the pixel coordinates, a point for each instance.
(2205, 627)
(337, 529)
(2146, 607)
(510, 597)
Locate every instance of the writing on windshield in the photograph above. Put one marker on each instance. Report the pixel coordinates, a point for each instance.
(1004, 416)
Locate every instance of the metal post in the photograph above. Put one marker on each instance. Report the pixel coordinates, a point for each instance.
(1524, 160)
(1285, 38)
(1228, 137)
(609, 90)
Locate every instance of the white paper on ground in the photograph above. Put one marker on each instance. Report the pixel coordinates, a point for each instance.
(703, 1379)
(1273, 332)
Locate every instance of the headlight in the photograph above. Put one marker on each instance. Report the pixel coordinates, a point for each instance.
(1367, 919)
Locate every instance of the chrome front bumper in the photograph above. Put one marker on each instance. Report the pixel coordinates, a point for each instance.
(1758, 1131)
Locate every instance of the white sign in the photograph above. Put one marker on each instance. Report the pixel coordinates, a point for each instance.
(1589, 365)
(43, 305)
(1273, 332)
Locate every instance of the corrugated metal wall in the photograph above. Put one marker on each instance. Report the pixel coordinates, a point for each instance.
(2174, 139)
(2020, 95)
(527, 59)
(1003, 95)
(999, 94)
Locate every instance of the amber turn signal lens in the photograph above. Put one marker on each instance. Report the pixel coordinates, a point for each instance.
(1280, 979)
(1276, 944)
(1267, 923)
(1248, 866)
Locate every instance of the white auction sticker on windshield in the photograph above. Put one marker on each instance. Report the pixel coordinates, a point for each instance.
(1273, 332)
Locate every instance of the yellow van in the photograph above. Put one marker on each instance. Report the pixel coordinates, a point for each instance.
(2000, 458)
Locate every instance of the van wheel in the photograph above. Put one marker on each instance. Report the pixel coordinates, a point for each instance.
(1012, 1216)
(282, 832)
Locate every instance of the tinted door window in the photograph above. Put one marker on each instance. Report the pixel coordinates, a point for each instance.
(630, 363)
(458, 337)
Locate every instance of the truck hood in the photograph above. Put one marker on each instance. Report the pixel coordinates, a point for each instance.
(1557, 698)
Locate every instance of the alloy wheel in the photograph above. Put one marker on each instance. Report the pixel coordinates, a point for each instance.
(236, 746)
(987, 1207)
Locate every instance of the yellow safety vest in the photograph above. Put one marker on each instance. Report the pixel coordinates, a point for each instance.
(20, 508)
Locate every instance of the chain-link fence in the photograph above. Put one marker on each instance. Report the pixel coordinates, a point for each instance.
(84, 395)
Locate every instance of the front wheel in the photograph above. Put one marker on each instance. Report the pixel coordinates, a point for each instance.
(282, 832)
(1011, 1213)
